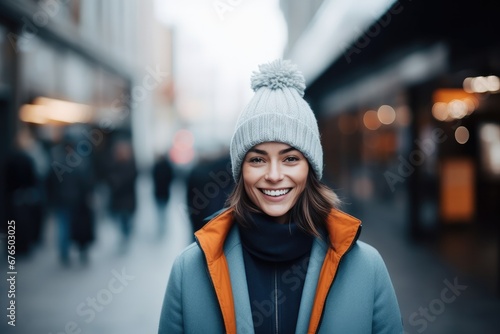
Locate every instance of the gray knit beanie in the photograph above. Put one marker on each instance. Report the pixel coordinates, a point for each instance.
(277, 113)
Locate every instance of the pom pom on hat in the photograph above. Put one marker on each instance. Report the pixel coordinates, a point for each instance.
(277, 113)
(278, 75)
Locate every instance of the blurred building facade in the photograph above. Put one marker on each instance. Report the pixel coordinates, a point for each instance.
(407, 100)
(95, 70)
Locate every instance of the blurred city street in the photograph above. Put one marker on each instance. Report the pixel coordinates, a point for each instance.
(49, 295)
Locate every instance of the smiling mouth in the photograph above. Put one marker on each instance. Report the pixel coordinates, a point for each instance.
(275, 193)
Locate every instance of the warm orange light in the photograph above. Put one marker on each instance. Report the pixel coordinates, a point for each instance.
(462, 135)
(45, 110)
(30, 113)
(493, 83)
(457, 109)
(440, 111)
(481, 84)
(472, 104)
(386, 114)
(370, 120)
(447, 95)
(467, 84)
(452, 103)
(457, 196)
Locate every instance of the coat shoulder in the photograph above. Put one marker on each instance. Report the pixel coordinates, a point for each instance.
(367, 249)
(367, 255)
(192, 254)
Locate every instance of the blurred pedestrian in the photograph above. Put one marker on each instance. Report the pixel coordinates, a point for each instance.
(122, 178)
(70, 189)
(24, 195)
(282, 258)
(208, 185)
(163, 174)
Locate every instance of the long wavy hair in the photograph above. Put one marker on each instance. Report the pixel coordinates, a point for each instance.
(309, 212)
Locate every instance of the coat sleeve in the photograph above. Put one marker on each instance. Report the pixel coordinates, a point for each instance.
(386, 313)
(171, 318)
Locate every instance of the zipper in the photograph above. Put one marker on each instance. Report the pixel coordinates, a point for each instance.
(276, 328)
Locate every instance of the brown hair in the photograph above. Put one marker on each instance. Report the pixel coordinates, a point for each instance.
(309, 213)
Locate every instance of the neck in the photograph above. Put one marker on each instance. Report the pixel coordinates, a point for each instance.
(273, 242)
(282, 219)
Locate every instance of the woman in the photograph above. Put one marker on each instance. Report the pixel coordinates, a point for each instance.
(281, 258)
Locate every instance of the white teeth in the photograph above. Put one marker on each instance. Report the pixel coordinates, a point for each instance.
(275, 193)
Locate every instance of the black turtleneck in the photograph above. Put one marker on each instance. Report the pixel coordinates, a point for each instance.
(276, 258)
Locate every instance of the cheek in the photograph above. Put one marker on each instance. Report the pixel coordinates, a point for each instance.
(248, 181)
(302, 176)
(250, 175)
(246, 172)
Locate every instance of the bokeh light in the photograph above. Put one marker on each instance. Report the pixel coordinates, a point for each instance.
(462, 135)
(386, 114)
(370, 120)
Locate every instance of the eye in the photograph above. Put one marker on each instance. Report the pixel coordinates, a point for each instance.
(291, 159)
(256, 160)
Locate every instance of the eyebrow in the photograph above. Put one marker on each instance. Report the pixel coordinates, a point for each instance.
(286, 150)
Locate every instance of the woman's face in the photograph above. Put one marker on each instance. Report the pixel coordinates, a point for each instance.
(274, 175)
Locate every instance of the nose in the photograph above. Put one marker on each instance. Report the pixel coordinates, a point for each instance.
(274, 173)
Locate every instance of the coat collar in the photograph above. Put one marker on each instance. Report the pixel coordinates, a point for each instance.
(217, 240)
(343, 231)
(211, 238)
